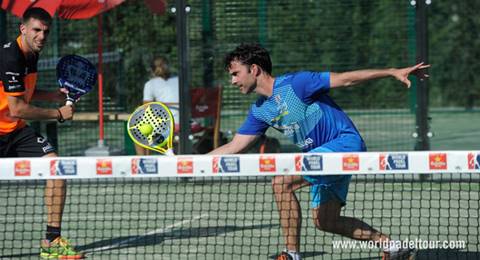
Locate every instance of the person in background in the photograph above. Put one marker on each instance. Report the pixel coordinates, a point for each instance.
(162, 87)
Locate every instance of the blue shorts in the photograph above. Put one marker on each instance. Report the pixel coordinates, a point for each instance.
(332, 187)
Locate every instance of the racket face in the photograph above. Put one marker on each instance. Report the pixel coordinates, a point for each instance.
(77, 74)
(151, 126)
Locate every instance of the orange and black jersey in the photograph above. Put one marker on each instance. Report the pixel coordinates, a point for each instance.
(18, 77)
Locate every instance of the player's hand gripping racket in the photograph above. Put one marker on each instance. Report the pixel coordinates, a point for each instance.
(151, 126)
(77, 75)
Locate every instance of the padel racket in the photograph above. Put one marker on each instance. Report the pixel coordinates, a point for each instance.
(152, 126)
(77, 75)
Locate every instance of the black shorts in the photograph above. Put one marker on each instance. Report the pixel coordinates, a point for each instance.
(24, 142)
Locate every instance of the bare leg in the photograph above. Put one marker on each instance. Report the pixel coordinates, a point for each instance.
(55, 193)
(327, 217)
(289, 209)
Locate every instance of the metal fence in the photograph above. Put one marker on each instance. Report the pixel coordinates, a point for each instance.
(301, 35)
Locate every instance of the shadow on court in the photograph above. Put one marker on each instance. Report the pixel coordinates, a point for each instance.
(437, 254)
(308, 254)
(157, 238)
(444, 254)
(440, 254)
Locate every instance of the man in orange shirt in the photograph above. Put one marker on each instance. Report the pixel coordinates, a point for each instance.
(18, 76)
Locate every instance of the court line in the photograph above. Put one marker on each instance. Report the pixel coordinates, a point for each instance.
(124, 216)
(153, 232)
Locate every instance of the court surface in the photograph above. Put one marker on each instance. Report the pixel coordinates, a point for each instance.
(232, 218)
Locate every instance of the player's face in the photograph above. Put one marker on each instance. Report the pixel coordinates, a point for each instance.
(242, 77)
(35, 33)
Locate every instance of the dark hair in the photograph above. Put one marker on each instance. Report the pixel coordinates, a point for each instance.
(249, 54)
(36, 13)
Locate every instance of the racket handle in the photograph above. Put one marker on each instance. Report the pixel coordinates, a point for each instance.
(69, 101)
(169, 152)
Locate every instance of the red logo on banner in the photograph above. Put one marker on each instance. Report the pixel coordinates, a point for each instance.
(215, 163)
(267, 164)
(437, 161)
(473, 161)
(298, 163)
(134, 166)
(22, 168)
(382, 162)
(104, 167)
(184, 166)
(351, 162)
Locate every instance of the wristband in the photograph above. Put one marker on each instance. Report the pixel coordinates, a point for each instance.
(60, 117)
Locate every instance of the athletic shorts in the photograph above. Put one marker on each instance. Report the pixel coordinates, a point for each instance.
(333, 187)
(24, 142)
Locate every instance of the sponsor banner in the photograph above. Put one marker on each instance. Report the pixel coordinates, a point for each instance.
(63, 167)
(144, 166)
(184, 166)
(308, 163)
(393, 161)
(22, 168)
(226, 164)
(437, 161)
(104, 167)
(267, 164)
(473, 161)
(350, 162)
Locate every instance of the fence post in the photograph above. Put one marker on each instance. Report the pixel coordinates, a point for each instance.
(185, 101)
(422, 132)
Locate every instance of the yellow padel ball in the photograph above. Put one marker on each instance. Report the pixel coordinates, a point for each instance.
(145, 129)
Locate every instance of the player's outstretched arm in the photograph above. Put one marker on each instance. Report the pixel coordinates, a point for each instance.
(238, 144)
(358, 76)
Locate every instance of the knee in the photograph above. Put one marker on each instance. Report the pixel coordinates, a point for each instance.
(321, 225)
(56, 184)
(327, 226)
(281, 185)
(325, 221)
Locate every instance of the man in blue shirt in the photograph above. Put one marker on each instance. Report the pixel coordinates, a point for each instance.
(298, 105)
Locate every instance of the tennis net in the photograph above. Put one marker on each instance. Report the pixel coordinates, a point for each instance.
(143, 208)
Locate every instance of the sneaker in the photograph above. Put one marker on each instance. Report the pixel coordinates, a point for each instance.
(400, 254)
(59, 248)
(284, 256)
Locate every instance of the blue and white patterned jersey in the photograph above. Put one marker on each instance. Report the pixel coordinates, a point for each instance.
(301, 109)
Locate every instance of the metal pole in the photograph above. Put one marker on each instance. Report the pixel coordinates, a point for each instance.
(207, 42)
(184, 88)
(101, 140)
(422, 120)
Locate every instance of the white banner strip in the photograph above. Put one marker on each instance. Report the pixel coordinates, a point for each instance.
(430, 162)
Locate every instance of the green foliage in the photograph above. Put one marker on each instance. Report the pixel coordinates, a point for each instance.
(301, 35)
(140, 35)
(454, 50)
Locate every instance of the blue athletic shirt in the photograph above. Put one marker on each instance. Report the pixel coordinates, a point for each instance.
(301, 109)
